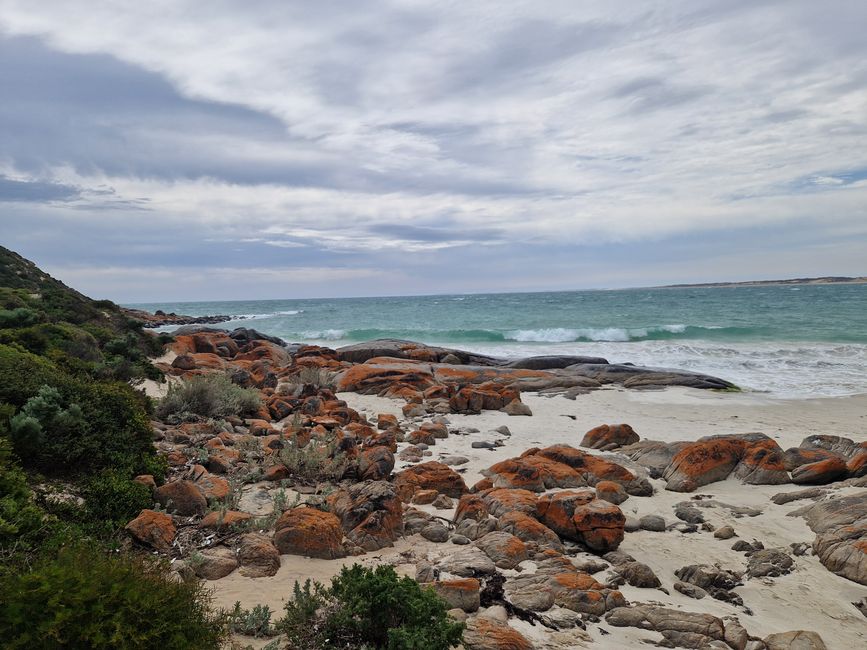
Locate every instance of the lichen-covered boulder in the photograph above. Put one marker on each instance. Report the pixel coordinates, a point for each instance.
(154, 529)
(371, 513)
(309, 532)
(431, 475)
(581, 517)
(609, 436)
(183, 497)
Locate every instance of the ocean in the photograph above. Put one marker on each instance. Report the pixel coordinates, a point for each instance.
(786, 341)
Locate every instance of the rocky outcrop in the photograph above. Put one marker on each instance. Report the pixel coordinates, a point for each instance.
(609, 436)
(680, 629)
(840, 525)
(431, 475)
(581, 517)
(371, 513)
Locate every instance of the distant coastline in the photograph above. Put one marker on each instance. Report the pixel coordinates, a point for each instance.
(769, 283)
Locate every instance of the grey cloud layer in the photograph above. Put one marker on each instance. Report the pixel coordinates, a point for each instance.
(335, 135)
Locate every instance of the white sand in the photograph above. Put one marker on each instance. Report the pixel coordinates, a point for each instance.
(810, 598)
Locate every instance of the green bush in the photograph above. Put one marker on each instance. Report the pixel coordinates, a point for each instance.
(254, 622)
(78, 426)
(87, 599)
(368, 608)
(211, 396)
(18, 317)
(19, 516)
(112, 499)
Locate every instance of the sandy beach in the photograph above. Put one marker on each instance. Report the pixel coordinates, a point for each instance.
(809, 598)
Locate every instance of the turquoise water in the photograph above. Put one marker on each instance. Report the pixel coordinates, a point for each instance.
(786, 340)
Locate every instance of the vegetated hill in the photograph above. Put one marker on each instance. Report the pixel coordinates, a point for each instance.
(91, 337)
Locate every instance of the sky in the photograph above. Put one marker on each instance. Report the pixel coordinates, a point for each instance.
(174, 150)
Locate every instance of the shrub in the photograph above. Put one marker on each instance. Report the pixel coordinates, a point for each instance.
(112, 499)
(212, 396)
(87, 599)
(254, 622)
(318, 460)
(18, 515)
(18, 317)
(368, 608)
(83, 425)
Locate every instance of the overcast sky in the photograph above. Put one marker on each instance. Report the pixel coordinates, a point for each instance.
(270, 149)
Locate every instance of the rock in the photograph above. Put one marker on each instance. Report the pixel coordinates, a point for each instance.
(436, 532)
(370, 513)
(632, 525)
(309, 532)
(258, 556)
(413, 410)
(799, 640)
(611, 492)
(517, 407)
(375, 463)
(686, 511)
(690, 590)
(500, 501)
(468, 562)
(442, 502)
(787, 497)
(483, 633)
(471, 506)
(154, 529)
(724, 532)
(460, 540)
(506, 550)
(680, 629)
(654, 523)
(462, 593)
(515, 473)
(580, 517)
(214, 564)
(609, 436)
(483, 444)
(565, 466)
(736, 636)
(638, 574)
(529, 530)
(820, 473)
(431, 475)
(386, 421)
(420, 437)
(455, 460)
(182, 497)
(424, 497)
(224, 519)
(840, 525)
(762, 463)
(769, 563)
(147, 480)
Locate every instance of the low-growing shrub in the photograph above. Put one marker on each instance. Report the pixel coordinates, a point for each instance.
(112, 499)
(255, 622)
(87, 599)
(318, 460)
(212, 396)
(19, 517)
(368, 608)
(72, 425)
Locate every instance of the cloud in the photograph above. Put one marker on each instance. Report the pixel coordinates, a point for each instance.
(423, 136)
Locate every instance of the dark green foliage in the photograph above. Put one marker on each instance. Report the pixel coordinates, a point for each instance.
(18, 317)
(212, 396)
(112, 499)
(368, 608)
(77, 426)
(19, 517)
(84, 598)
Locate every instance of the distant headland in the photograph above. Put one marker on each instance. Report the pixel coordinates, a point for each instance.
(772, 283)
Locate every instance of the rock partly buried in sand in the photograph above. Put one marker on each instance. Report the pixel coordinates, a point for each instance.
(840, 525)
(468, 562)
(680, 629)
(215, 563)
(431, 475)
(609, 436)
(581, 517)
(506, 550)
(483, 633)
(371, 513)
(798, 640)
(753, 457)
(309, 532)
(258, 556)
(820, 473)
(154, 529)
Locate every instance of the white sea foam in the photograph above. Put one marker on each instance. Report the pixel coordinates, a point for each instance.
(324, 335)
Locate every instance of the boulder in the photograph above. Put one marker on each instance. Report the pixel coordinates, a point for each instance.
(216, 563)
(183, 497)
(529, 530)
(609, 436)
(798, 640)
(680, 629)
(580, 517)
(611, 492)
(224, 519)
(515, 473)
(309, 532)
(370, 513)
(638, 574)
(461, 593)
(821, 472)
(431, 475)
(503, 500)
(154, 529)
(468, 562)
(375, 463)
(506, 550)
(258, 556)
(483, 633)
